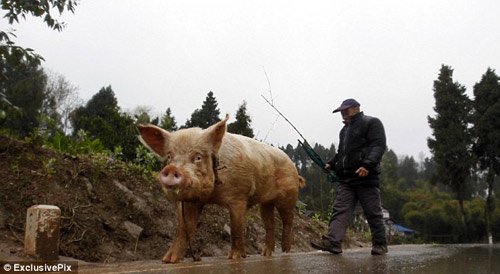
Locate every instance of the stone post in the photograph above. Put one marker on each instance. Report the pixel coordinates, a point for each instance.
(42, 232)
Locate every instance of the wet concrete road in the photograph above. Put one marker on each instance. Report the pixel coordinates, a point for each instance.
(401, 259)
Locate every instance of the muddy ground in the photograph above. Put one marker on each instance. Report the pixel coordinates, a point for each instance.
(113, 211)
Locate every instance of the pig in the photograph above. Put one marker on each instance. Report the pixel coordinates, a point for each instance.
(212, 166)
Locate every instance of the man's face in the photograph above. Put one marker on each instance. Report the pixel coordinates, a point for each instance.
(347, 113)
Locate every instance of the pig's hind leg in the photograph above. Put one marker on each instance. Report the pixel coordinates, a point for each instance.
(187, 218)
(267, 215)
(285, 203)
(286, 215)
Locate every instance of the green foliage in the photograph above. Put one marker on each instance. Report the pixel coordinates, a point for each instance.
(145, 158)
(318, 193)
(49, 167)
(79, 144)
(141, 115)
(451, 140)
(487, 121)
(145, 163)
(486, 131)
(25, 89)
(39, 8)
(438, 218)
(495, 221)
(19, 9)
(242, 125)
(389, 165)
(408, 172)
(301, 207)
(168, 121)
(102, 119)
(207, 115)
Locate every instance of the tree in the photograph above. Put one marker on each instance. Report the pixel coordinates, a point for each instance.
(428, 168)
(102, 105)
(450, 144)
(207, 115)
(102, 119)
(242, 124)
(486, 131)
(65, 99)
(24, 88)
(409, 172)
(168, 121)
(16, 9)
(389, 165)
(142, 116)
(392, 193)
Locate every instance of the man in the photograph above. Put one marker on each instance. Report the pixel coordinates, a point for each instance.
(357, 165)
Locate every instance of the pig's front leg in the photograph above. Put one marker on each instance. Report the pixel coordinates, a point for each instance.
(237, 212)
(187, 225)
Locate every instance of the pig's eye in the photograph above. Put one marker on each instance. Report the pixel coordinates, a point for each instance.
(169, 157)
(198, 159)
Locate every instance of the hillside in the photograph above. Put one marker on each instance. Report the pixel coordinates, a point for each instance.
(111, 211)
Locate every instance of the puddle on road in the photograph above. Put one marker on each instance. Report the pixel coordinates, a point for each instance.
(412, 259)
(464, 259)
(437, 259)
(415, 259)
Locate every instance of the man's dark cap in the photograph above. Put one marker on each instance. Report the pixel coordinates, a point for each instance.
(348, 103)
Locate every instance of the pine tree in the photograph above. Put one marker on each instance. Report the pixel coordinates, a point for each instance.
(486, 131)
(207, 115)
(242, 124)
(102, 119)
(450, 144)
(408, 172)
(168, 121)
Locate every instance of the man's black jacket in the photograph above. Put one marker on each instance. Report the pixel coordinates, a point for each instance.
(362, 144)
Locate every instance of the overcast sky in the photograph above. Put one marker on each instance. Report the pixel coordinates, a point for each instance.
(386, 54)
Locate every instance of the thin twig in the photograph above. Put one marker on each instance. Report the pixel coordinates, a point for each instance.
(288, 121)
(272, 126)
(272, 102)
(83, 206)
(137, 242)
(13, 233)
(77, 240)
(268, 84)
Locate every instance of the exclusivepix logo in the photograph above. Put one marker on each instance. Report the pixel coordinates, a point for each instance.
(38, 267)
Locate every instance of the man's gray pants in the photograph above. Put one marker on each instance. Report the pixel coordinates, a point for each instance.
(343, 208)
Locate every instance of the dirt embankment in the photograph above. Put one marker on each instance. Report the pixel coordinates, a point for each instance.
(110, 212)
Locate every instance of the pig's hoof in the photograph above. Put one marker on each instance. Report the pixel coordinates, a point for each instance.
(171, 258)
(267, 252)
(233, 255)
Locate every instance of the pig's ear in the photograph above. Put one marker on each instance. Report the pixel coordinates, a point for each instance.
(154, 138)
(215, 133)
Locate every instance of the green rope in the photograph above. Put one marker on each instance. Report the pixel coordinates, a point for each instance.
(318, 161)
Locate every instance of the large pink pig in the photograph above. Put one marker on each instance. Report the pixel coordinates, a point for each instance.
(214, 167)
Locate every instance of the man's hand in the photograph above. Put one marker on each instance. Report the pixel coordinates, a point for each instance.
(325, 169)
(362, 172)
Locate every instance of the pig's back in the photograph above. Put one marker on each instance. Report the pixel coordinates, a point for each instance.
(237, 148)
(255, 168)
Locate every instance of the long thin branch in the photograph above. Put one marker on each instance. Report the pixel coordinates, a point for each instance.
(269, 85)
(288, 121)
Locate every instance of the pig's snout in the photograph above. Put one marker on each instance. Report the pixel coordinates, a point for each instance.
(171, 176)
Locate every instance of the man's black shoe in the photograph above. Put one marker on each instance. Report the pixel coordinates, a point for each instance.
(326, 245)
(379, 249)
